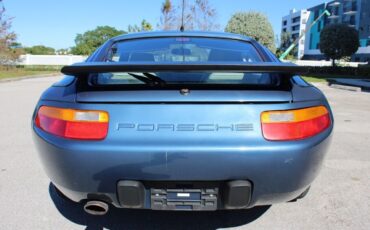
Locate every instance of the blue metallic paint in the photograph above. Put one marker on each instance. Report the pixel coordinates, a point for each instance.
(279, 171)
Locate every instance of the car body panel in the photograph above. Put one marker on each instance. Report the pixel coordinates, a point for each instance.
(166, 136)
(193, 96)
(150, 153)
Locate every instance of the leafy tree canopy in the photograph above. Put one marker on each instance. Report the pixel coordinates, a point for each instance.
(253, 24)
(145, 26)
(285, 41)
(195, 15)
(63, 51)
(338, 41)
(89, 41)
(8, 53)
(40, 50)
(168, 20)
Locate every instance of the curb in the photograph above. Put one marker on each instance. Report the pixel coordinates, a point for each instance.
(354, 88)
(346, 87)
(29, 77)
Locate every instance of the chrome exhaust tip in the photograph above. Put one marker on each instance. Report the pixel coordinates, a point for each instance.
(96, 208)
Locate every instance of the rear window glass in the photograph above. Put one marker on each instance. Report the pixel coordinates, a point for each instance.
(184, 49)
(162, 78)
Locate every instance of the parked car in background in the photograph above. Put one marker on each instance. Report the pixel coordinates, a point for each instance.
(181, 121)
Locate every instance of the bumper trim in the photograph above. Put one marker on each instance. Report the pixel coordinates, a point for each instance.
(237, 194)
(131, 194)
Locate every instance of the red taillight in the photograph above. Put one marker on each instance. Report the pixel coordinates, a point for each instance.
(74, 124)
(294, 124)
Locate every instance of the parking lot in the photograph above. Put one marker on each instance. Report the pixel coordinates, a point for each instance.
(339, 198)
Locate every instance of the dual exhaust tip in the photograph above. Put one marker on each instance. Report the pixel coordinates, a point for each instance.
(96, 208)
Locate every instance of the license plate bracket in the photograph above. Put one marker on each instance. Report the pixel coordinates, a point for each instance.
(184, 199)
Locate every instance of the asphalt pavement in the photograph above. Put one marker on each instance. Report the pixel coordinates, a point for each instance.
(339, 198)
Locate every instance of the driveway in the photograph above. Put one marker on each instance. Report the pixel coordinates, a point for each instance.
(339, 198)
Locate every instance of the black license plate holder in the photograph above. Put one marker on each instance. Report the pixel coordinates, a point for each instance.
(184, 199)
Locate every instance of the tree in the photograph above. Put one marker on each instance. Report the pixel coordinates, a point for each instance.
(8, 52)
(285, 41)
(16, 45)
(168, 16)
(40, 50)
(253, 24)
(198, 15)
(202, 16)
(338, 41)
(87, 42)
(145, 26)
(63, 51)
(133, 28)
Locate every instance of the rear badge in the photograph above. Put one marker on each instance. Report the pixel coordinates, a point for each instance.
(184, 92)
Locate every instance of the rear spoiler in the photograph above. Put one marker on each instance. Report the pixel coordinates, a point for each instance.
(84, 68)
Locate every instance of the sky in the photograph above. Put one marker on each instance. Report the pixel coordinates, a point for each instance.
(56, 23)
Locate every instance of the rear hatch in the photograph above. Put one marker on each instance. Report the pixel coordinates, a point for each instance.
(174, 91)
(179, 119)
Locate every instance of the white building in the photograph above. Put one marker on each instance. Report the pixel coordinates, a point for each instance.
(354, 13)
(295, 24)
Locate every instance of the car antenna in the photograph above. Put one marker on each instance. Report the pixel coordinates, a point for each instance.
(182, 16)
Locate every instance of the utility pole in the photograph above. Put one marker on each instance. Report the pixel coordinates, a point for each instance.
(294, 44)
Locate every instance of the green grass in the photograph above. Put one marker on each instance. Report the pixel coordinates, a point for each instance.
(314, 79)
(325, 79)
(14, 72)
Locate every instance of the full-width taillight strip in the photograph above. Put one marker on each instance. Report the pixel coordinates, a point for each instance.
(74, 124)
(294, 124)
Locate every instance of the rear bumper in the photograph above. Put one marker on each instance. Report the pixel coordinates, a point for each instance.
(279, 171)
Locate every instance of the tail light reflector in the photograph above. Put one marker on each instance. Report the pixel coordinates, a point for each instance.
(294, 124)
(73, 124)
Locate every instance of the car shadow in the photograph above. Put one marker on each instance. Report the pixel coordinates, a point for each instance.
(118, 218)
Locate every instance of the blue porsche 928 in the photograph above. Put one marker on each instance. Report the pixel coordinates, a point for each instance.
(182, 121)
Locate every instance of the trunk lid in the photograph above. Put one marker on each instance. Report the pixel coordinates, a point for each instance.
(168, 121)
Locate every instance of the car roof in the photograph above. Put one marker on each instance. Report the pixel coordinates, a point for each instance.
(158, 34)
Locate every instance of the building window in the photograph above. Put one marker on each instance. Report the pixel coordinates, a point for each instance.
(294, 28)
(316, 15)
(368, 42)
(318, 46)
(352, 20)
(296, 19)
(326, 21)
(284, 23)
(284, 30)
(335, 11)
(350, 6)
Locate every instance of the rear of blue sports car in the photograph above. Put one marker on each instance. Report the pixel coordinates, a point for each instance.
(178, 121)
